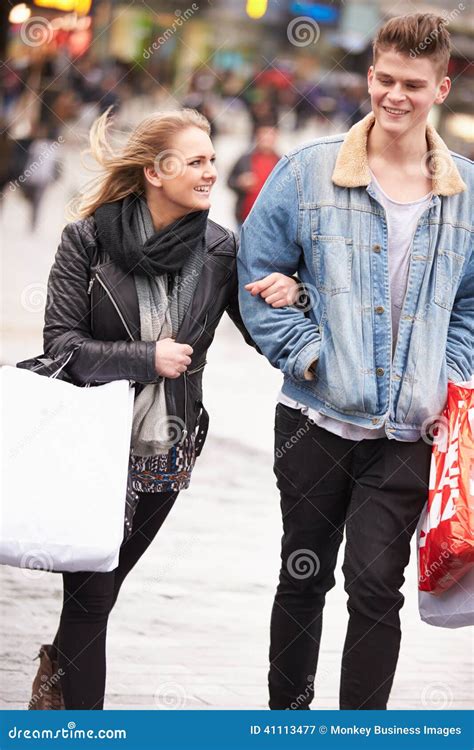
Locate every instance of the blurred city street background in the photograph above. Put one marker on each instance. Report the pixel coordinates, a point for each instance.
(191, 627)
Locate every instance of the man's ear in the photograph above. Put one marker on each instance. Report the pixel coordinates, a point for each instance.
(152, 176)
(443, 90)
(370, 77)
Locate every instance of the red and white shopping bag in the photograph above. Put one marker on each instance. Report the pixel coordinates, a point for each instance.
(445, 541)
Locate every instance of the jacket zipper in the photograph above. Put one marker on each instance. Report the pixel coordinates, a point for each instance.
(109, 295)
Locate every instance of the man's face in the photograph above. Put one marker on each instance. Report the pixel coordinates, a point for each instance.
(403, 90)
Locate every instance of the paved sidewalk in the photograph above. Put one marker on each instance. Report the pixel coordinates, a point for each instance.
(190, 629)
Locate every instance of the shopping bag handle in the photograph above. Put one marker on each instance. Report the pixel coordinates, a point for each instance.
(55, 374)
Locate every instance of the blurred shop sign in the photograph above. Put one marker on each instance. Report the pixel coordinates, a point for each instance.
(81, 7)
(359, 24)
(327, 14)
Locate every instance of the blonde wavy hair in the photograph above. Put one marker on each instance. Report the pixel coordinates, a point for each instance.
(121, 170)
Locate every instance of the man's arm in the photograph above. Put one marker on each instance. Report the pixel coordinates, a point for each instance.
(460, 341)
(270, 242)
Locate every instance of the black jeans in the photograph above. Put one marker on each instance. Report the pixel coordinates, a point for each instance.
(88, 600)
(375, 489)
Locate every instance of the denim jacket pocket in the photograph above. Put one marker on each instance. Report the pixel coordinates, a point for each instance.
(332, 258)
(448, 271)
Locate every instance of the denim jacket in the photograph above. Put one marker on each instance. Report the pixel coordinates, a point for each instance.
(317, 216)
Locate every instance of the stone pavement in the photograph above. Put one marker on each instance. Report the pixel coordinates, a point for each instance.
(190, 629)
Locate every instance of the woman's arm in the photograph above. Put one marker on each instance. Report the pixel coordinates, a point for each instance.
(68, 323)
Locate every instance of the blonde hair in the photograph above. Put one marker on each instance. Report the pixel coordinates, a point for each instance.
(121, 170)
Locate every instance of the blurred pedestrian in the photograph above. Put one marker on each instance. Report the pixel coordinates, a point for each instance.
(249, 173)
(42, 169)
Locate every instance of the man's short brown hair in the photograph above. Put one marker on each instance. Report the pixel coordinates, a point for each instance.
(416, 35)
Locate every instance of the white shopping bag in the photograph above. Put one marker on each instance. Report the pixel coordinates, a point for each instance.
(453, 608)
(64, 472)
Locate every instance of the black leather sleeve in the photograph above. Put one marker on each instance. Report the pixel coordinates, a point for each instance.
(233, 309)
(67, 320)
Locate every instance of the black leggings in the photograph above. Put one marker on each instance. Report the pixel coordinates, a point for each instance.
(88, 600)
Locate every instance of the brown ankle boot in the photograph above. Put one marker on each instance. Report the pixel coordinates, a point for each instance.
(46, 691)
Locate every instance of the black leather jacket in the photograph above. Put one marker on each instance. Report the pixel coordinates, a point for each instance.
(92, 307)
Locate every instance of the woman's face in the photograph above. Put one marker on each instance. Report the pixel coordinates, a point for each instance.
(185, 172)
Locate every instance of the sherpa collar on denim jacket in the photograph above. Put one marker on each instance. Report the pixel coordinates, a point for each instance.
(352, 166)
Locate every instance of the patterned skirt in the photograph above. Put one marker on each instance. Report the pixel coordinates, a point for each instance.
(166, 472)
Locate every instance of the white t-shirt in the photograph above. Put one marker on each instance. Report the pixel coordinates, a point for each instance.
(402, 220)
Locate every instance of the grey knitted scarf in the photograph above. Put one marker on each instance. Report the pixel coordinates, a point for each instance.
(161, 314)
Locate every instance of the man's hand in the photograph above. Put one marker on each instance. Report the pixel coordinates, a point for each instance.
(276, 289)
(172, 359)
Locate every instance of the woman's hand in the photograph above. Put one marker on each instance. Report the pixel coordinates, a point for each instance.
(172, 359)
(276, 289)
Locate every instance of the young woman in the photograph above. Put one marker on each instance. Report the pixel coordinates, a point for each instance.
(139, 283)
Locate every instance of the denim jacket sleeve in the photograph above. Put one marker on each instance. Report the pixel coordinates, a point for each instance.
(460, 341)
(269, 242)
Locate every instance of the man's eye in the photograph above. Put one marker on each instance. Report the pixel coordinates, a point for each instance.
(384, 82)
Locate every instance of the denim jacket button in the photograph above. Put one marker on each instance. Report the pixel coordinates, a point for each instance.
(379, 309)
(376, 248)
(379, 371)
(374, 420)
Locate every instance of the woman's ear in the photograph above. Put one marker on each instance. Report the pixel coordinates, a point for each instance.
(152, 177)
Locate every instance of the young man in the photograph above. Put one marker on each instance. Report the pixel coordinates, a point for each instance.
(377, 224)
